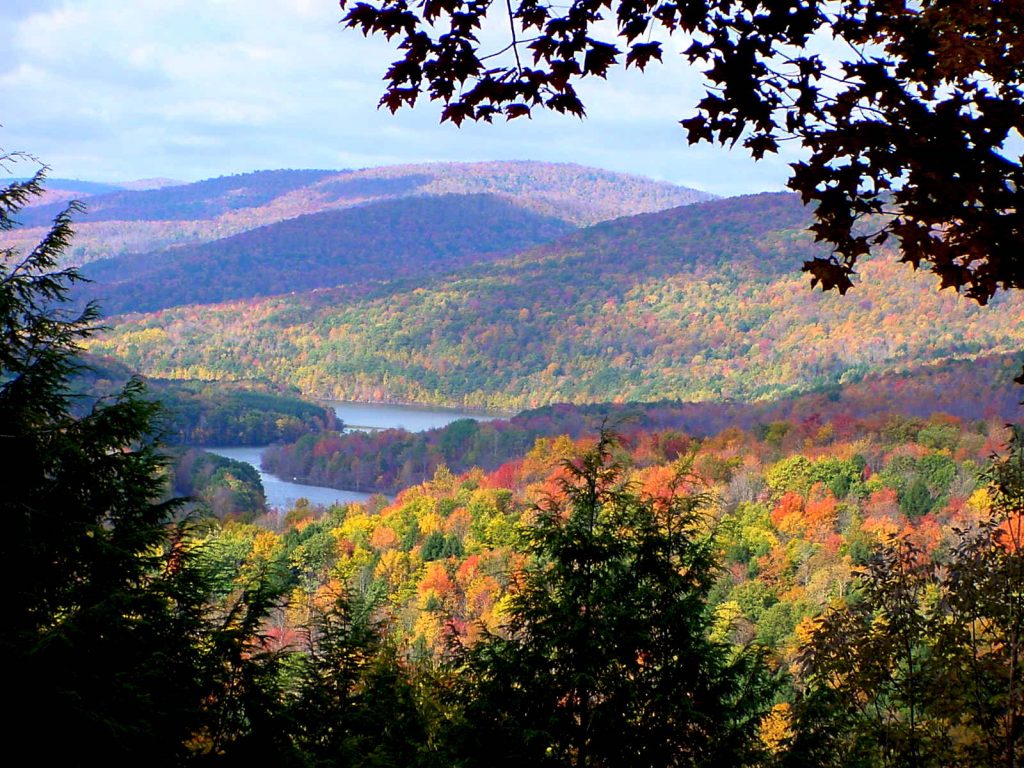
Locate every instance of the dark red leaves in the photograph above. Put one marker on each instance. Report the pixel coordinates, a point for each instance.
(830, 275)
(917, 121)
(398, 97)
(641, 53)
(517, 110)
(599, 57)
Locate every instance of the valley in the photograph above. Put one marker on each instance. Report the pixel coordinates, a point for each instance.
(523, 385)
(663, 381)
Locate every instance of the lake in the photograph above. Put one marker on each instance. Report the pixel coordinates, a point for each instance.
(415, 418)
(283, 493)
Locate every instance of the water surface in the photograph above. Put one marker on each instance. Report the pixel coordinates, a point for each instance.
(415, 418)
(283, 493)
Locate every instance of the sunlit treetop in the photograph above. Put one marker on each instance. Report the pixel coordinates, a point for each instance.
(911, 112)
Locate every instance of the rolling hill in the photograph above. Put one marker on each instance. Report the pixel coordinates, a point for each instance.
(201, 200)
(123, 222)
(702, 302)
(415, 238)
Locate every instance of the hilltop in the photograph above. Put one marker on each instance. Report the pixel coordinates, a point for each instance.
(120, 222)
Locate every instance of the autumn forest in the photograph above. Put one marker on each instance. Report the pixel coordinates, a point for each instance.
(712, 517)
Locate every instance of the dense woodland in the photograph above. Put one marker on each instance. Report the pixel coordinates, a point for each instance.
(826, 582)
(703, 302)
(382, 241)
(209, 413)
(390, 460)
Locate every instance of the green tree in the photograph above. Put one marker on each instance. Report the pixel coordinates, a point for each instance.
(112, 652)
(870, 660)
(981, 636)
(916, 500)
(356, 703)
(908, 115)
(605, 659)
(85, 537)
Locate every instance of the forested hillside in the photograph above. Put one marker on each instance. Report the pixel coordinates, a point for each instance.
(799, 507)
(142, 221)
(697, 303)
(837, 551)
(394, 459)
(208, 413)
(418, 238)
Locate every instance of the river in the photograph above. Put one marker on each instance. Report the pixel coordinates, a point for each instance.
(282, 493)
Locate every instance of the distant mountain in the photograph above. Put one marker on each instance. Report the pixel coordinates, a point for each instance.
(574, 193)
(60, 191)
(122, 222)
(78, 186)
(202, 200)
(56, 196)
(158, 182)
(88, 188)
(702, 302)
(407, 238)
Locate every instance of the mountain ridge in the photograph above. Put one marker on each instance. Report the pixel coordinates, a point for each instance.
(702, 302)
(228, 205)
(378, 241)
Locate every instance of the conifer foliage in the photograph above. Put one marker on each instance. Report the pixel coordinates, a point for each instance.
(607, 660)
(99, 617)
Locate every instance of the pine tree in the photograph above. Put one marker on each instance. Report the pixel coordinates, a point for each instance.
(102, 613)
(606, 659)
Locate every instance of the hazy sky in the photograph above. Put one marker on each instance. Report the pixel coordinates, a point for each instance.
(112, 90)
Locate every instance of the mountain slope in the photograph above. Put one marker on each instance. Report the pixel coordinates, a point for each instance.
(701, 302)
(125, 222)
(201, 200)
(418, 237)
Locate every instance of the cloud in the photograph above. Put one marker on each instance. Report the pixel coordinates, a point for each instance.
(109, 90)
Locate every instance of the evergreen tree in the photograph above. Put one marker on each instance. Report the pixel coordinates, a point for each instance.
(606, 659)
(356, 703)
(104, 614)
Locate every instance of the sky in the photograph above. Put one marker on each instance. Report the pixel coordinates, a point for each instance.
(109, 90)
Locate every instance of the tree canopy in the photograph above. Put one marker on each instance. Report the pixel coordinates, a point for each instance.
(605, 658)
(911, 111)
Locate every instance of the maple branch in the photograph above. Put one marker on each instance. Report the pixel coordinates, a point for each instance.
(515, 43)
